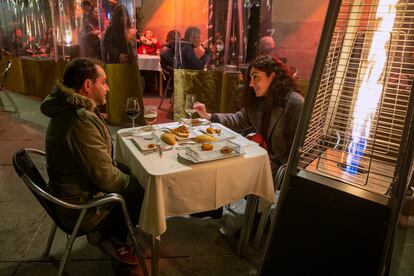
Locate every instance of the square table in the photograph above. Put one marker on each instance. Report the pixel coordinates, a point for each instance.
(173, 187)
(151, 63)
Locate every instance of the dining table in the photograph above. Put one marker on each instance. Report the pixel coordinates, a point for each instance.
(151, 63)
(177, 183)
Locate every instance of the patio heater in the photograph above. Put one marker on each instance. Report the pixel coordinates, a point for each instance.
(349, 165)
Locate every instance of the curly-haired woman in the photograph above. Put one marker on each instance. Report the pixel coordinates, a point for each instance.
(271, 104)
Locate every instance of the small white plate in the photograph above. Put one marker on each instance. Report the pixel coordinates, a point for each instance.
(223, 135)
(195, 154)
(196, 122)
(143, 143)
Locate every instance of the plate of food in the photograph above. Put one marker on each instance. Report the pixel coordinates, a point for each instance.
(181, 132)
(194, 122)
(210, 151)
(145, 143)
(216, 131)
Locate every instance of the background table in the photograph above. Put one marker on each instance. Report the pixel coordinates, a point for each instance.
(151, 63)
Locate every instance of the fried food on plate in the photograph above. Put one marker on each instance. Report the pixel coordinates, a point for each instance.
(207, 147)
(182, 131)
(213, 130)
(226, 150)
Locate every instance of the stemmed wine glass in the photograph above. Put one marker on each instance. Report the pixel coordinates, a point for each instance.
(132, 109)
(150, 115)
(190, 100)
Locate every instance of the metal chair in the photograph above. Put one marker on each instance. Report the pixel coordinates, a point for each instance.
(27, 171)
(169, 72)
(266, 213)
(3, 75)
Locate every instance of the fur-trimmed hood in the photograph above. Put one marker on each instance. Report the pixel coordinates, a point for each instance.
(62, 98)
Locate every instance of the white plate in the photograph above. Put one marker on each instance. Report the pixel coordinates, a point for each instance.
(199, 121)
(195, 154)
(142, 143)
(192, 133)
(223, 135)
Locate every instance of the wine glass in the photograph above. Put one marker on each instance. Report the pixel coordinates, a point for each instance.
(150, 115)
(190, 100)
(132, 109)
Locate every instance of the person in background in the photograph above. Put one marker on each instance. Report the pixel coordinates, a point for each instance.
(79, 159)
(149, 44)
(86, 15)
(118, 45)
(187, 56)
(90, 42)
(217, 50)
(271, 104)
(43, 46)
(168, 49)
(18, 47)
(267, 46)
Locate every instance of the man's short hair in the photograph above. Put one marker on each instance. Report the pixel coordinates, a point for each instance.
(173, 35)
(191, 32)
(79, 70)
(266, 43)
(86, 4)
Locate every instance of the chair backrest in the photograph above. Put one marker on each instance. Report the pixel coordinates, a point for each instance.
(4, 73)
(28, 172)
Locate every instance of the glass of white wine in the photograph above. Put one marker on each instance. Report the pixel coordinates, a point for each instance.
(150, 115)
(132, 109)
(190, 100)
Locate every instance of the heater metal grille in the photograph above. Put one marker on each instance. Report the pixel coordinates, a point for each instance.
(370, 37)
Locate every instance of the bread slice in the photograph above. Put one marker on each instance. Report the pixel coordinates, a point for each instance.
(204, 138)
(168, 138)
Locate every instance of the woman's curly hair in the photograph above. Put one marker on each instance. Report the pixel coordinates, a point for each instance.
(281, 85)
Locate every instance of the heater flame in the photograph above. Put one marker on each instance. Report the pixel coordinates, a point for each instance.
(68, 39)
(371, 87)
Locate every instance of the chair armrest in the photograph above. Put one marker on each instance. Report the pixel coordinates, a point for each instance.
(112, 197)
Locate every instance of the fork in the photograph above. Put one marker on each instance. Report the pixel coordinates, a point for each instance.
(159, 149)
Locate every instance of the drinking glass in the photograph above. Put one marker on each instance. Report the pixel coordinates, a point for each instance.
(150, 115)
(132, 109)
(190, 100)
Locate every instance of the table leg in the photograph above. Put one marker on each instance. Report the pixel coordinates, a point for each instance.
(154, 256)
(160, 84)
(246, 228)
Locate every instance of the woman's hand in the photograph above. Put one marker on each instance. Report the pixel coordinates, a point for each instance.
(200, 108)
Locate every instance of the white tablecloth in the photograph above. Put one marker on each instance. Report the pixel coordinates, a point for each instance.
(149, 62)
(174, 188)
